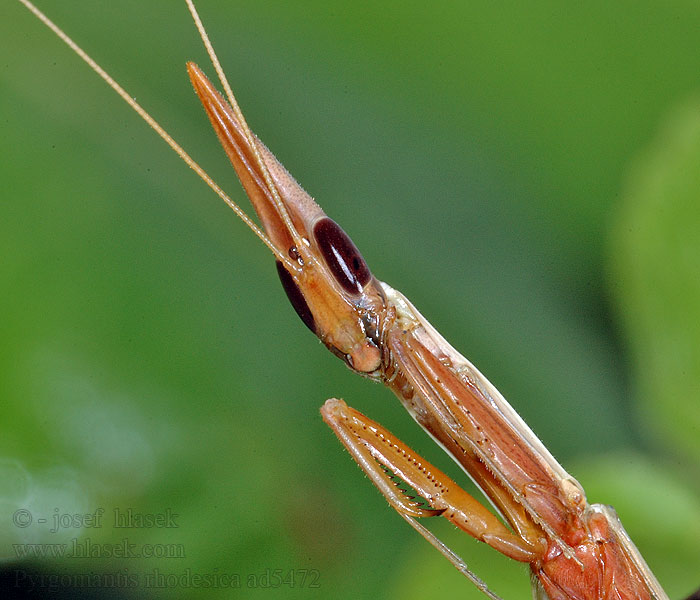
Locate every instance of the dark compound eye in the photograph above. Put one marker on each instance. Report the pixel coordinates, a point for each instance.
(296, 297)
(342, 256)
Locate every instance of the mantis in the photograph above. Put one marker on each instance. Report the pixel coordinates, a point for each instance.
(378, 333)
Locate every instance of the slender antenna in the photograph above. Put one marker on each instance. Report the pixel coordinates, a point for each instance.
(250, 137)
(155, 126)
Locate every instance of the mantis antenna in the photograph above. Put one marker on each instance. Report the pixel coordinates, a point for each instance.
(179, 150)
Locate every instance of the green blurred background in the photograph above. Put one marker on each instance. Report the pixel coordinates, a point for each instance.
(528, 174)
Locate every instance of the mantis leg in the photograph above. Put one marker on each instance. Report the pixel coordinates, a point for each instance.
(383, 457)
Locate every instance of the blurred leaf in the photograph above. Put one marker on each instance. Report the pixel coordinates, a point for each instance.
(656, 280)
